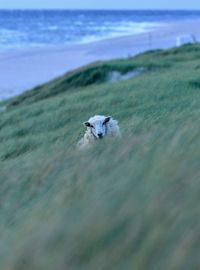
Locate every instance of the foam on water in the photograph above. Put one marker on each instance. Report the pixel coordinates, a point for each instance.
(118, 31)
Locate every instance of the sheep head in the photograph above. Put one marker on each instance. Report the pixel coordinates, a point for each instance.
(97, 125)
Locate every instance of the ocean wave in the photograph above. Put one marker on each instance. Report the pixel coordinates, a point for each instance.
(111, 31)
(129, 27)
(52, 28)
(10, 36)
(77, 32)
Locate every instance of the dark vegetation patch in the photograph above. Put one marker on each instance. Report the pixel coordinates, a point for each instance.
(195, 84)
(16, 149)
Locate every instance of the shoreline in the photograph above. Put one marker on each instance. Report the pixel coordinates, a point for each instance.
(24, 69)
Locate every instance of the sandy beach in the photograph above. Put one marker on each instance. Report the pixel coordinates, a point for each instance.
(23, 69)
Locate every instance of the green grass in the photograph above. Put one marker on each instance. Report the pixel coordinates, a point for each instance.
(126, 204)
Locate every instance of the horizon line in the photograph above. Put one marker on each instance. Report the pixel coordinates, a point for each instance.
(104, 9)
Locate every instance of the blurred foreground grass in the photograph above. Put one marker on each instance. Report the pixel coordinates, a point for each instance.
(125, 204)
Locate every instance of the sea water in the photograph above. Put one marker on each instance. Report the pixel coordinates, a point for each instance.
(45, 28)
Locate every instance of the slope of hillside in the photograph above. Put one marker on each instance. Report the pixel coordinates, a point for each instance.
(125, 204)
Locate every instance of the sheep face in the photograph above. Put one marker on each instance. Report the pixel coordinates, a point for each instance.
(98, 126)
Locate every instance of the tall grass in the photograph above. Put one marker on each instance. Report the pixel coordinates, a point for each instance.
(124, 204)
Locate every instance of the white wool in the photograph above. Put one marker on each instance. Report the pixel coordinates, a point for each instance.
(99, 127)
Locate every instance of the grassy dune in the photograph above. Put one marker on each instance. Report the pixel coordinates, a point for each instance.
(126, 204)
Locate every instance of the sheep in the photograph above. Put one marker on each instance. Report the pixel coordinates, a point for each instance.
(98, 127)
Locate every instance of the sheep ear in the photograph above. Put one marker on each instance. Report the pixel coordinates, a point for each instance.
(107, 119)
(86, 124)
